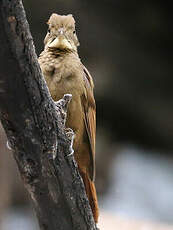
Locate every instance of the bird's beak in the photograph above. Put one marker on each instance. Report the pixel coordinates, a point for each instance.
(60, 43)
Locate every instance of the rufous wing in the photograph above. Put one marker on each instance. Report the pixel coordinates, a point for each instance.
(89, 106)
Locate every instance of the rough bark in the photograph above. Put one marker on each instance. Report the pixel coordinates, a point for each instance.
(35, 128)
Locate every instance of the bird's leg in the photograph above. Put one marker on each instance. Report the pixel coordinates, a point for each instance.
(70, 135)
(61, 107)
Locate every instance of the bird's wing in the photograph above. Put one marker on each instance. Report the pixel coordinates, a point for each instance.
(89, 106)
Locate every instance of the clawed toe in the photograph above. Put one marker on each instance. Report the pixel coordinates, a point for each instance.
(69, 133)
(72, 152)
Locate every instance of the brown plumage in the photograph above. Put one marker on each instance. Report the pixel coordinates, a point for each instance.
(65, 74)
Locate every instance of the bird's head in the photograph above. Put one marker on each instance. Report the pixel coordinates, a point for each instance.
(61, 33)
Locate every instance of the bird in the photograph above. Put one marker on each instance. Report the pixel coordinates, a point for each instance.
(65, 74)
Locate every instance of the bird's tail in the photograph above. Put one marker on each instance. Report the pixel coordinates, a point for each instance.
(91, 194)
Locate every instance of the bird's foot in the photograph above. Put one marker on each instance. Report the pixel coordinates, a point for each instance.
(70, 135)
(61, 108)
(63, 103)
(72, 152)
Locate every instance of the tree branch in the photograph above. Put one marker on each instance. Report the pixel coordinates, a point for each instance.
(35, 128)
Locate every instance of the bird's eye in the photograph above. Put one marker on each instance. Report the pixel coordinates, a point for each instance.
(74, 31)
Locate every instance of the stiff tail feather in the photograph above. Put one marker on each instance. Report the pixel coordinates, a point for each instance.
(91, 194)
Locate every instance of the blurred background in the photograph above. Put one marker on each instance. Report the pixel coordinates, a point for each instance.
(126, 45)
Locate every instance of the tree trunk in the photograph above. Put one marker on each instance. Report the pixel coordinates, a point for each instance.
(35, 128)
